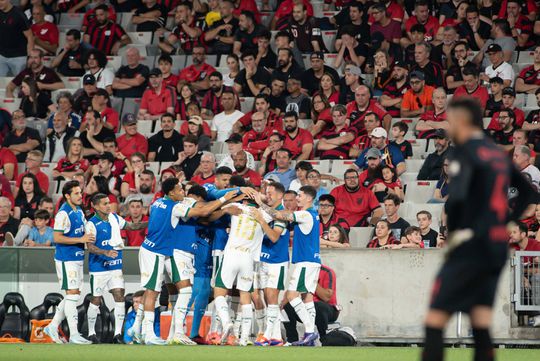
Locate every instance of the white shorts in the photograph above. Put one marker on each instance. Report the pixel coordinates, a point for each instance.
(273, 275)
(304, 277)
(107, 280)
(152, 266)
(217, 258)
(236, 266)
(180, 266)
(257, 279)
(70, 274)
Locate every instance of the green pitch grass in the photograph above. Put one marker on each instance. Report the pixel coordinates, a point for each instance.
(15, 352)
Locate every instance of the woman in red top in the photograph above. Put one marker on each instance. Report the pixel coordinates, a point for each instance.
(166, 174)
(130, 182)
(335, 238)
(98, 184)
(321, 113)
(72, 163)
(186, 97)
(383, 236)
(327, 88)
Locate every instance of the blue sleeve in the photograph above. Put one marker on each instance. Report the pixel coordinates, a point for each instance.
(214, 193)
(128, 323)
(361, 160)
(397, 156)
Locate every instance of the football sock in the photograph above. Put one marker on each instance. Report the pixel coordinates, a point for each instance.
(91, 315)
(138, 319)
(70, 309)
(483, 346)
(310, 308)
(59, 315)
(260, 316)
(300, 309)
(272, 314)
(433, 348)
(237, 321)
(222, 310)
(148, 324)
(247, 318)
(276, 333)
(180, 309)
(119, 315)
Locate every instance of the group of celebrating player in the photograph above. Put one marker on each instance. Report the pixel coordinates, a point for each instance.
(250, 251)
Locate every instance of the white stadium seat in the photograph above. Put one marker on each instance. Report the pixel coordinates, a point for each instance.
(141, 37)
(419, 191)
(323, 166)
(414, 165)
(359, 237)
(246, 104)
(340, 166)
(10, 104)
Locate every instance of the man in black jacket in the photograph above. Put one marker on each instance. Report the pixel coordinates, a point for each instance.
(432, 167)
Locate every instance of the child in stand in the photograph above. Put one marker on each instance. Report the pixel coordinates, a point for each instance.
(398, 133)
(390, 183)
(412, 238)
(41, 235)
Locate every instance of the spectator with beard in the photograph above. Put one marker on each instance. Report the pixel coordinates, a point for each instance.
(69, 61)
(104, 34)
(21, 139)
(95, 135)
(355, 203)
(363, 142)
(312, 76)
(253, 78)
(265, 55)
(165, 145)
(211, 103)
(445, 49)
(185, 35)
(373, 173)
(298, 141)
(334, 142)
(96, 62)
(197, 74)
(240, 161)
(234, 145)
(508, 100)
(158, 99)
(247, 33)
(255, 140)
(305, 30)
(503, 136)
(45, 33)
(433, 165)
(276, 96)
(135, 215)
(56, 142)
(471, 87)
(287, 67)
(392, 156)
(190, 158)
(454, 75)
(147, 182)
(64, 101)
(494, 103)
(328, 215)
(397, 224)
(220, 35)
(297, 101)
(394, 91)
(283, 173)
(362, 105)
(417, 100)
(434, 119)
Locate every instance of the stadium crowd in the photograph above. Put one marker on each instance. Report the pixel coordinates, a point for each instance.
(347, 97)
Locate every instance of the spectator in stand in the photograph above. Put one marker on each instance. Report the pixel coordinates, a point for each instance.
(233, 66)
(356, 12)
(283, 173)
(495, 103)
(301, 168)
(149, 16)
(350, 82)
(393, 91)
(158, 99)
(397, 224)
(383, 236)
(498, 67)
(522, 160)
(445, 49)
(247, 33)
(352, 50)
(433, 165)
(253, 78)
(190, 158)
(474, 31)
(15, 47)
(311, 77)
(131, 79)
(327, 215)
(382, 23)
(521, 28)
(56, 142)
(471, 87)
(131, 141)
(252, 177)
(135, 215)
(297, 140)
(165, 63)
(314, 180)
(119, 163)
(305, 30)
(255, 140)
(101, 103)
(418, 34)
(186, 97)
(247, 5)
(222, 125)
(500, 36)
(348, 204)
(220, 35)
(185, 35)
(41, 234)
(454, 75)
(422, 16)
(33, 164)
(21, 139)
(379, 43)
(362, 105)
(336, 237)
(45, 33)
(382, 73)
(211, 103)
(328, 88)
(35, 103)
(399, 130)
(335, 142)
(64, 102)
(90, 15)
(95, 135)
(197, 74)
(285, 11)
(412, 238)
(508, 102)
(363, 142)
(207, 170)
(146, 189)
(504, 135)
(28, 197)
(284, 40)
(103, 77)
(528, 80)
(105, 35)
(165, 145)
(390, 185)
(321, 115)
(532, 123)
(131, 180)
(261, 105)
(434, 119)
(419, 98)
(234, 145)
(372, 175)
(433, 72)
(286, 66)
(69, 61)
(276, 96)
(429, 236)
(45, 78)
(297, 101)
(73, 163)
(195, 127)
(104, 168)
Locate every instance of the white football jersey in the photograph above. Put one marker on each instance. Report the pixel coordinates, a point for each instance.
(246, 233)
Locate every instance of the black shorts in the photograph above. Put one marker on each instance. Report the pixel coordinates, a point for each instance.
(462, 284)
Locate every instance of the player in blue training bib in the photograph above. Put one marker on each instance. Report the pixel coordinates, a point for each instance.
(70, 238)
(105, 263)
(306, 260)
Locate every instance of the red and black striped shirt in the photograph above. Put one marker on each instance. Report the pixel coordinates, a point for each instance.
(341, 151)
(393, 91)
(187, 43)
(374, 243)
(104, 37)
(65, 5)
(530, 75)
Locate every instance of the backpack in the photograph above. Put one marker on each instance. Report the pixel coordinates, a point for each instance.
(343, 336)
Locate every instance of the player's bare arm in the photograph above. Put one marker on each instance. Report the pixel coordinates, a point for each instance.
(92, 248)
(206, 209)
(272, 233)
(135, 226)
(60, 238)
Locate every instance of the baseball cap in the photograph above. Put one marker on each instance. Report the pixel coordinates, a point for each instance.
(354, 70)
(418, 75)
(379, 133)
(195, 119)
(107, 156)
(440, 134)
(493, 48)
(129, 118)
(89, 79)
(400, 64)
(234, 138)
(317, 55)
(373, 153)
(168, 170)
(154, 72)
(509, 91)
